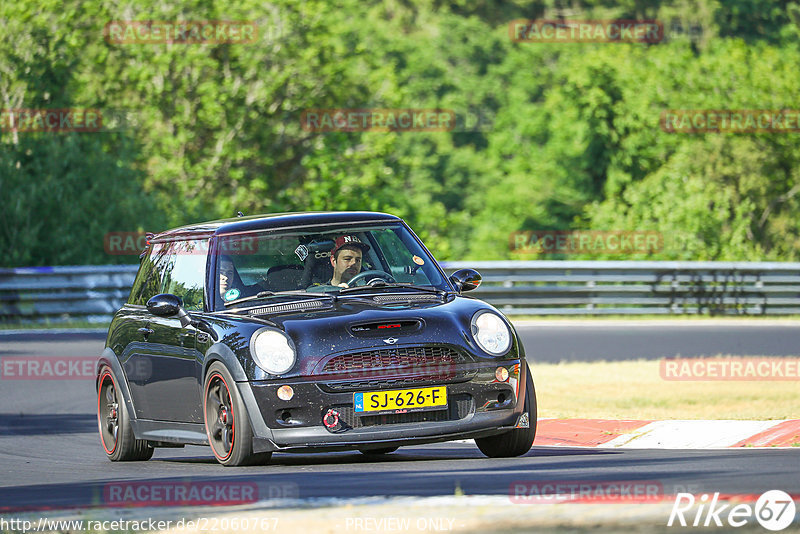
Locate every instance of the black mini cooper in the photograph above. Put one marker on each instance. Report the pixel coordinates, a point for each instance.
(307, 332)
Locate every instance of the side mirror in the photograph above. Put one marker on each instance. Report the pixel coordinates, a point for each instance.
(466, 279)
(166, 305)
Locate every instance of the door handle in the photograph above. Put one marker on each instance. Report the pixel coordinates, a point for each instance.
(146, 331)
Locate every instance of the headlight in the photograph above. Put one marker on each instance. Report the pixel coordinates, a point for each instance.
(491, 332)
(273, 351)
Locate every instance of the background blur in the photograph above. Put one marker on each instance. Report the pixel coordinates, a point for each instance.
(552, 136)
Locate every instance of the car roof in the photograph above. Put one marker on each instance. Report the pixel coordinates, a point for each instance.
(272, 221)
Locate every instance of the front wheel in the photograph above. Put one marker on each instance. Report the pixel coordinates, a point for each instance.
(518, 441)
(113, 421)
(227, 424)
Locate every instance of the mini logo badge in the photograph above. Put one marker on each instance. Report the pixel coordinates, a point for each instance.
(390, 340)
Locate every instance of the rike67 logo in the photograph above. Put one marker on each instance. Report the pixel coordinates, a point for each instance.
(774, 510)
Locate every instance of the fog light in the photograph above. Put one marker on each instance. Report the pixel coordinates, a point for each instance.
(286, 392)
(501, 374)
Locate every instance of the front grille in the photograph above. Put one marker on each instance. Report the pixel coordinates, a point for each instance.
(387, 368)
(341, 386)
(430, 356)
(458, 407)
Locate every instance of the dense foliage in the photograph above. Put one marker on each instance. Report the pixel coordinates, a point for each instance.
(550, 136)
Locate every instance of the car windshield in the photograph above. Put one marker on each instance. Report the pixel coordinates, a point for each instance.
(325, 260)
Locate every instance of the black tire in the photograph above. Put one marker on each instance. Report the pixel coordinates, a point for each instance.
(227, 423)
(518, 441)
(114, 424)
(385, 450)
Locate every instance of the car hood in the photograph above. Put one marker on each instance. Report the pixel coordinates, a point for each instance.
(358, 324)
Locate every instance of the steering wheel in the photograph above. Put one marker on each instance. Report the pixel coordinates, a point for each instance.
(375, 274)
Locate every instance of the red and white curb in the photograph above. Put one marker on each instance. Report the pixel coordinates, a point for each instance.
(688, 434)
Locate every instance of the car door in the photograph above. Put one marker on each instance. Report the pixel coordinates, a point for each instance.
(136, 357)
(163, 366)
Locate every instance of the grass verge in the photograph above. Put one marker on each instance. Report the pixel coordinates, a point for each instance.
(635, 390)
(54, 325)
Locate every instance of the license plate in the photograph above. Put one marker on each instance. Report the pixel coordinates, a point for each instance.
(400, 400)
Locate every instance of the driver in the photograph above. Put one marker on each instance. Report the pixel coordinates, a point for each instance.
(346, 259)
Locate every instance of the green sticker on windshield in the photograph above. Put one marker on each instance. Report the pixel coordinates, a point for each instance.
(231, 294)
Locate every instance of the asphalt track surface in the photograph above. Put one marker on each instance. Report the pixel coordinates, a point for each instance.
(555, 341)
(629, 340)
(50, 454)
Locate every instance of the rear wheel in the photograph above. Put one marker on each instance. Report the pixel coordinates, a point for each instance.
(226, 420)
(518, 441)
(113, 421)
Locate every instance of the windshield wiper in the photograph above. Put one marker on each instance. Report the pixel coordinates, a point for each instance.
(258, 296)
(261, 295)
(386, 285)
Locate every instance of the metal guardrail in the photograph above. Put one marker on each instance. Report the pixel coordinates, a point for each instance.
(94, 293)
(639, 287)
(58, 294)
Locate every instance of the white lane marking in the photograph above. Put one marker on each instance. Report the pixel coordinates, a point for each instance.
(690, 434)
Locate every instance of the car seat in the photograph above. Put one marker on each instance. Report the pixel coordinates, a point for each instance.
(285, 277)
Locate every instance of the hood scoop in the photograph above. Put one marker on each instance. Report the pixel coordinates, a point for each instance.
(302, 305)
(386, 328)
(407, 297)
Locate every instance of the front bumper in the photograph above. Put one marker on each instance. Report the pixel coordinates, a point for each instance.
(478, 405)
